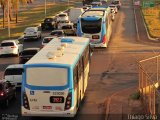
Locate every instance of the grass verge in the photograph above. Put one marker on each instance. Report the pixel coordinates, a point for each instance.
(152, 20)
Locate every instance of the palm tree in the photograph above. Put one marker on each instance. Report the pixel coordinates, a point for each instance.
(3, 4)
(16, 4)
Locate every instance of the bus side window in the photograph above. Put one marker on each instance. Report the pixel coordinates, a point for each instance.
(85, 57)
(75, 77)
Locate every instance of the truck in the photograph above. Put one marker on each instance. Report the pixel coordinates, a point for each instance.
(49, 24)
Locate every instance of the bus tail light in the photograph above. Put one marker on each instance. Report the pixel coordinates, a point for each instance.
(104, 39)
(68, 101)
(25, 101)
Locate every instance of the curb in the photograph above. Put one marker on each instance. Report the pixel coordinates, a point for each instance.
(110, 100)
(135, 19)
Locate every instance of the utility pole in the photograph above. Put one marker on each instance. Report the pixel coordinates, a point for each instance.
(9, 32)
(45, 8)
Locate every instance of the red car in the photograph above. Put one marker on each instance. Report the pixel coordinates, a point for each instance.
(7, 93)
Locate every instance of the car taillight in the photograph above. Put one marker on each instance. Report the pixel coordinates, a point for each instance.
(1, 48)
(13, 47)
(2, 94)
(25, 101)
(104, 39)
(68, 101)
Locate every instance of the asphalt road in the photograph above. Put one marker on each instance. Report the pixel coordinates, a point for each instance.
(112, 69)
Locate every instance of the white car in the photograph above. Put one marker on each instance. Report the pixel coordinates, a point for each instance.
(10, 47)
(113, 7)
(47, 40)
(63, 23)
(32, 33)
(13, 74)
(62, 17)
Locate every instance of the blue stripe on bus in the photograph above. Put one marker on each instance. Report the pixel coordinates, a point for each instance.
(91, 18)
(79, 33)
(103, 31)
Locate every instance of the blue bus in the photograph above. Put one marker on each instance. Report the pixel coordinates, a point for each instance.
(96, 24)
(56, 78)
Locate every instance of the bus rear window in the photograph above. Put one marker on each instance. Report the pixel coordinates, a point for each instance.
(47, 76)
(13, 71)
(91, 27)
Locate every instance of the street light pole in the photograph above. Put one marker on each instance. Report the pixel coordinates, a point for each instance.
(9, 32)
(45, 8)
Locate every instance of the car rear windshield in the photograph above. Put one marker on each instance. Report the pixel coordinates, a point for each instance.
(48, 20)
(1, 87)
(62, 15)
(13, 71)
(56, 33)
(46, 40)
(67, 27)
(115, 2)
(92, 27)
(7, 44)
(29, 52)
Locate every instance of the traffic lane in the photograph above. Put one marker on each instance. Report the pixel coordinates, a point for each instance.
(35, 43)
(111, 71)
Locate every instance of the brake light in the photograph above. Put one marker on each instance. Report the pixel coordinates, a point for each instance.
(68, 101)
(104, 39)
(13, 47)
(25, 101)
(1, 48)
(2, 94)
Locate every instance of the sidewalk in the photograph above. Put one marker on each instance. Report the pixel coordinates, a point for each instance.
(120, 106)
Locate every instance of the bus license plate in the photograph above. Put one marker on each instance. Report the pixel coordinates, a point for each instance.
(56, 99)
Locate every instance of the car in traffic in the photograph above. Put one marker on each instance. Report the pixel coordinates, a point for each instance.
(7, 93)
(10, 47)
(69, 30)
(49, 23)
(32, 33)
(57, 33)
(27, 54)
(62, 23)
(13, 74)
(114, 8)
(47, 40)
(117, 2)
(62, 17)
(85, 8)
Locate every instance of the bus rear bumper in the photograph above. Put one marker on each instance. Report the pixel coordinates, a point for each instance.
(98, 45)
(68, 113)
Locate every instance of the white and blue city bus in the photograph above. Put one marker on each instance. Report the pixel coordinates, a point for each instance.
(96, 24)
(55, 79)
